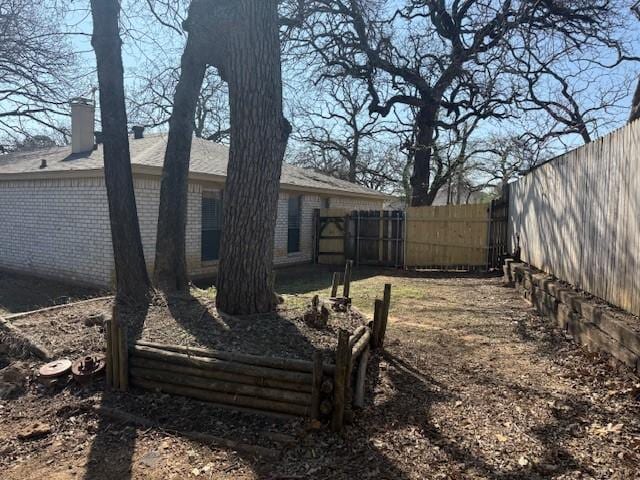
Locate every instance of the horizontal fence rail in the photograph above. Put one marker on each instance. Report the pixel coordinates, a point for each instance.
(577, 217)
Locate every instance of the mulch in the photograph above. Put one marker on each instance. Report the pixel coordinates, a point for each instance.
(472, 384)
(194, 322)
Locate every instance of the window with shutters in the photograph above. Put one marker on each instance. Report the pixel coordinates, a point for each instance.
(294, 214)
(211, 225)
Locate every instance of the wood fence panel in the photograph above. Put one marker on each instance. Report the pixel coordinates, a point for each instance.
(451, 235)
(578, 217)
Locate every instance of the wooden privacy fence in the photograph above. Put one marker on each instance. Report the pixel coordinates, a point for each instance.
(453, 236)
(577, 217)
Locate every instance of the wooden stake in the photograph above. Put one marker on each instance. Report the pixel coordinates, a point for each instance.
(358, 399)
(317, 385)
(109, 354)
(347, 278)
(341, 379)
(335, 283)
(377, 323)
(115, 354)
(385, 312)
(123, 359)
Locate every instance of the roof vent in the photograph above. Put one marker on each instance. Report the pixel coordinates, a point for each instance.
(138, 132)
(43, 163)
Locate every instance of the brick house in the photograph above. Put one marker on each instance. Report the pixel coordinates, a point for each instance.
(54, 218)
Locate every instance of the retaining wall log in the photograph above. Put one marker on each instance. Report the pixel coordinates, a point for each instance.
(587, 322)
(357, 333)
(358, 399)
(362, 343)
(222, 365)
(295, 365)
(222, 398)
(266, 393)
(142, 362)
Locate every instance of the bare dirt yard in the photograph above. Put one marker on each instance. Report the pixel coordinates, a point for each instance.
(472, 384)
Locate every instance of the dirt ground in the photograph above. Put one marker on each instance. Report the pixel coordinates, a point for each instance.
(20, 293)
(472, 384)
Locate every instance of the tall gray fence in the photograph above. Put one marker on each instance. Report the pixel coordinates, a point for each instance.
(578, 217)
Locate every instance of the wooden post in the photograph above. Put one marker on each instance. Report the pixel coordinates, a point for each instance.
(316, 386)
(385, 312)
(334, 284)
(358, 399)
(377, 320)
(123, 359)
(347, 278)
(115, 354)
(109, 355)
(343, 357)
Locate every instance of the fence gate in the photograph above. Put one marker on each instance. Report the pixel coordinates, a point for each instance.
(445, 237)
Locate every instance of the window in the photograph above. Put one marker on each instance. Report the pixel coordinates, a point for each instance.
(293, 238)
(211, 225)
(326, 202)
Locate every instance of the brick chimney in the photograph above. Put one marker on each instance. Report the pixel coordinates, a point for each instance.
(82, 125)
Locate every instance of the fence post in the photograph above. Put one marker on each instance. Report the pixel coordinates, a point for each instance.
(386, 303)
(377, 321)
(347, 278)
(343, 354)
(109, 355)
(334, 284)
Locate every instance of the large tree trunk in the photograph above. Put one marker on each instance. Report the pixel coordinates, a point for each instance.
(170, 272)
(132, 281)
(425, 122)
(259, 133)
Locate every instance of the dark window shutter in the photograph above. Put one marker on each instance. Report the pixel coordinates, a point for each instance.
(211, 226)
(294, 220)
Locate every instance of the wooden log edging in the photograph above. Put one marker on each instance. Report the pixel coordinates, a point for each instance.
(16, 340)
(590, 324)
(188, 372)
(221, 365)
(296, 365)
(16, 316)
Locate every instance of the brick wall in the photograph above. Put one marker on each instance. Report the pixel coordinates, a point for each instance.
(59, 228)
(56, 228)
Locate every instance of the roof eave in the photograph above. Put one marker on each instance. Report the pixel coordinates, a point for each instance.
(153, 170)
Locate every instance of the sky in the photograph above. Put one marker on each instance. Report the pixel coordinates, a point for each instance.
(145, 42)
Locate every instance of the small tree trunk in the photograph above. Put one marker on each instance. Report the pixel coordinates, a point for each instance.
(170, 272)
(259, 134)
(132, 281)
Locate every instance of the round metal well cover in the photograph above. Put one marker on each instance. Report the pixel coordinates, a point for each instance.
(54, 369)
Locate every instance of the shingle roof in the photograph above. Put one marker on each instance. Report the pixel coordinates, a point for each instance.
(207, 158)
